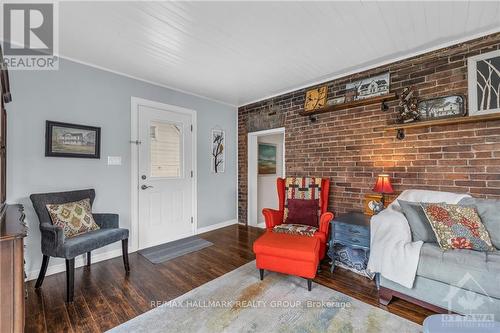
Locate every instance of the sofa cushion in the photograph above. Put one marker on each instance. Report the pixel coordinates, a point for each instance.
(489, 211)
(457, 227)
(92, 240)
(73, 218)
(467, 269)
(420, 227)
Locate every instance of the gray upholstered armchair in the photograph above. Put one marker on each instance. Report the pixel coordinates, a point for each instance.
(54, 243)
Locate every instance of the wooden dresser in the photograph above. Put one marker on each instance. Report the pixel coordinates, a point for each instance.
(12, 290)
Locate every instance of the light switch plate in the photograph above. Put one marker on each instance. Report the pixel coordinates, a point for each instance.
(114, 160)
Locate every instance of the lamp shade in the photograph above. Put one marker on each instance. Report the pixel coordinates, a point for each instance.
(383, 185)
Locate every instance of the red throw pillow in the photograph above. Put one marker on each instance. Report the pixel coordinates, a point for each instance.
(303, 211)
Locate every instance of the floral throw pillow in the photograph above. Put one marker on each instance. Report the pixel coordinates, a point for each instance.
(457, 227)
(73, 217)
(295, 229)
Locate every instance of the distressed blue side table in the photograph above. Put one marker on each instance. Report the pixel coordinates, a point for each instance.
(351, 230)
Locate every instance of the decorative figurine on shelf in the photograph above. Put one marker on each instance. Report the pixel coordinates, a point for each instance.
(408, 110)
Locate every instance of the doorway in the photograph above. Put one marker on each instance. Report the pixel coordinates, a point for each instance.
(163, 173)
(266, 162)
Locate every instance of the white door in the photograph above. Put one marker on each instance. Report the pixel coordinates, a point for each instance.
(165, 176)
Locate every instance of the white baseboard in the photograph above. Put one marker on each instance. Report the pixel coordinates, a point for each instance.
(216, 226)
(79, 262)
(261, 225)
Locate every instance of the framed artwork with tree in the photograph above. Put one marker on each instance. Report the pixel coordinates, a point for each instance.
(484, 83)
(218, 150)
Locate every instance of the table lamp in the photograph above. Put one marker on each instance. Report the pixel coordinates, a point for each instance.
(383, 186)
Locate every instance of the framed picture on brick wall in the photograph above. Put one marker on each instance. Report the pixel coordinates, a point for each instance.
(484, 83)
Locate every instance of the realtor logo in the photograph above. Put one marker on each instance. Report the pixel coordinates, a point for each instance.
(29, 35)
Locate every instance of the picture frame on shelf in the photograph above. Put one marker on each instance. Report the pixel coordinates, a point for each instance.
(336, 101)
(315, 98)
(369, 87)
(450, 106)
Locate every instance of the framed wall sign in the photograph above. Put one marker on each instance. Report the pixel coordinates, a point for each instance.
(484, 83)
(71, 140)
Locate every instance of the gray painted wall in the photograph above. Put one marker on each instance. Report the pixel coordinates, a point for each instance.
(84, 95)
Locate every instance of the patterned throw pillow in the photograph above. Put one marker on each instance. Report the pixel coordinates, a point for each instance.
(302, 188)
(73, 217)
(457, 227)
(295, 229)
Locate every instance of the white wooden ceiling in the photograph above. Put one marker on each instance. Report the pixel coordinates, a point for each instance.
(239, 52)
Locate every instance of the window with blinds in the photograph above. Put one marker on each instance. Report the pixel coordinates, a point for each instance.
(166, 149)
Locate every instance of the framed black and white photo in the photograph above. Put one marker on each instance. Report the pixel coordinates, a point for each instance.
(441, 107)
(484, 83)
(369, 87)
(218, 142)
(71, 140)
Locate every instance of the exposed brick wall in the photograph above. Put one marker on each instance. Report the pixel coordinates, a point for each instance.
(351, 147)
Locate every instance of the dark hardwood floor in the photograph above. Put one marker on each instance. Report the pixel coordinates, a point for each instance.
(105, 297)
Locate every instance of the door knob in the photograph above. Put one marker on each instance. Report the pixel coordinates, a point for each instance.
(145, 187)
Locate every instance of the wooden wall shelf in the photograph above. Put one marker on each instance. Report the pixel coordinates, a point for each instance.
(440, 122)
(367, 101)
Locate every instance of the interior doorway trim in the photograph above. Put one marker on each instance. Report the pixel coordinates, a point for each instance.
(252, 217)
(135, 102)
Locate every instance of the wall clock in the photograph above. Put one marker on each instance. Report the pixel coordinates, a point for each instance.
(372, 204)
(316, 98)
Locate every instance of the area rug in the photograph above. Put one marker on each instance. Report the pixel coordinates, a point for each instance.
(240, 302)
(164, 252)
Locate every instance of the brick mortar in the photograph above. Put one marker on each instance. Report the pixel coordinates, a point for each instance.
(351, 147)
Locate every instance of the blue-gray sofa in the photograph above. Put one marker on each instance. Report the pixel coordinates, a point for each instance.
(460, 281)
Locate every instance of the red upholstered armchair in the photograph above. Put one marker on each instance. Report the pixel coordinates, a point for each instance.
(275, 217)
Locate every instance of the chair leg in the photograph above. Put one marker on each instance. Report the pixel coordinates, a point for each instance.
(43, 270)
(88, 259)
(70, 279)
(125, 255)
(261, 271)
(309, 284)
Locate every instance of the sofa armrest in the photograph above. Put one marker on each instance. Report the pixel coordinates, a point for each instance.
(52, 238)
(106, 220)
(324, 222)
(272, 217)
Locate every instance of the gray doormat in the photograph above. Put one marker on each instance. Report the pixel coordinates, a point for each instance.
(164, 252)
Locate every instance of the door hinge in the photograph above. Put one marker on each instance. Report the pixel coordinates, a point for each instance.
(192, 219)
(136, 142)
(191, 127)
(192, 174)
